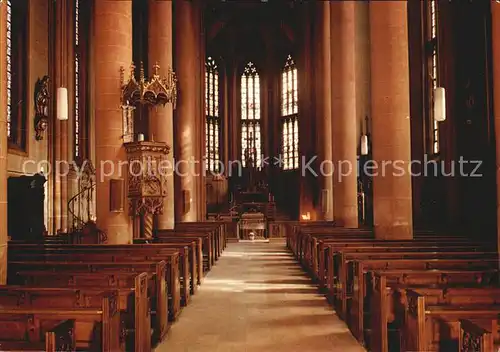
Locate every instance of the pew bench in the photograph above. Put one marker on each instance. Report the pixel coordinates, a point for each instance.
(119, 253)
(207, 240)
(385, 316)
(337, 268)
(433, 327)
(196, 246)
(153, 300)
(359, 289)
(96, 329)
(474, 337)
(204, 227)
(219, 229)
(149, 283)
(61, 337)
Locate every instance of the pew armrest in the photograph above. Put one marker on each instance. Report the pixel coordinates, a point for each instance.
(61, 337)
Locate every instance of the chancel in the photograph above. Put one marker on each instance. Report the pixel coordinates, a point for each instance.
(278, 175)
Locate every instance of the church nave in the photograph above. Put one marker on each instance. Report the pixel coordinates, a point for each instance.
(257, 298)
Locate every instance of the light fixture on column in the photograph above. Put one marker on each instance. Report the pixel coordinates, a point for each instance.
(439, 104)
(364, 144)
(62, 103)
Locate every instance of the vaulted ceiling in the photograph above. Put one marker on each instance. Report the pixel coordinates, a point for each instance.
(250, 30)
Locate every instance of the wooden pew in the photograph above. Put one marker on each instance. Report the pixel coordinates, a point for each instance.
(388, 298)
(204, 227)
(338, 265)
(325, 246)
(134, 262)
(334, 246)
(97, 329)
(206, 237)
(218, 227)
(117, 253)
(61, 337)
(51, 288)
(310, 238)
(152, 294)
(319, 245)
(360, 277)
(473, 337)
(196, 265)
(429, 326)
(342, 265)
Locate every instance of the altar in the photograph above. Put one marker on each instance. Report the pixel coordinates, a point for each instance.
(252, 226)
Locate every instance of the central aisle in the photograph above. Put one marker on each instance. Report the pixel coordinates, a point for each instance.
(258, 299)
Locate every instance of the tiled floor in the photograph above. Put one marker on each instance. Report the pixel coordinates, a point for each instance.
(257, 299)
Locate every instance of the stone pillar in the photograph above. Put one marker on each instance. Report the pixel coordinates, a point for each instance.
(495, 30)
(3, 146)
(344, 113)
(161, 117)
(323, 109)
(61, 127)
(188, 113)
(306, 122)
(391, 120)
(200, 105)
(113, 49)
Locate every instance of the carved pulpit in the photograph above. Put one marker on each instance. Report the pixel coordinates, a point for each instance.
(146, 183)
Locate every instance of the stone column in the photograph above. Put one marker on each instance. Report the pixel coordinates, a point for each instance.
(161, 118)
(61, 127)
(323, 109)
(200, 104)
(344, 113)
(391, 120)
(113, 49)
(495, 30)
(306, 123)
(3, 146)
(188, 112)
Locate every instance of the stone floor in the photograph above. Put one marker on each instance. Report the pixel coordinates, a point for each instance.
(257, 299)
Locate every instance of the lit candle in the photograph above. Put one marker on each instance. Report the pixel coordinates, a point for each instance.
(364, 144)
(140, 137)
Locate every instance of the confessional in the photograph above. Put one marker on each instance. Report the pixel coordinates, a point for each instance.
(25, 196)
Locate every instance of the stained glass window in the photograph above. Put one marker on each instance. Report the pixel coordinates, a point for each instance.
(432, 70)
(289, 116)
(81, 45)
(77, 78)
(212, 122)
(9, 67)
(251, 144)
(16, 70)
